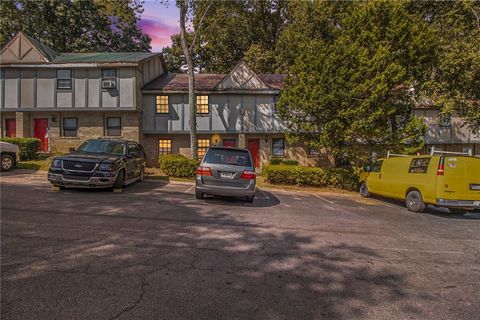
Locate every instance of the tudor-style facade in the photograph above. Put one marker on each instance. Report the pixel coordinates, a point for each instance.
(66, 98)
(237, 109)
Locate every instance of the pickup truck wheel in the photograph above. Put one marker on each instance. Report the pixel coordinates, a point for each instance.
(458, 212)
(120, 180)
(7, 162)
(364, 190)
(414, 201)
(141, 176)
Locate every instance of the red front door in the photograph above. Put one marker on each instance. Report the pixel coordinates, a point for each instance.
(11, 128)
(253, 146)
(40, 132)
(229, 143)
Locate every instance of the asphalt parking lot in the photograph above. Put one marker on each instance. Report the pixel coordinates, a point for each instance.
(153, 252)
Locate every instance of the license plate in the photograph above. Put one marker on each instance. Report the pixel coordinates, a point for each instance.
(226, 175)
(475, 187)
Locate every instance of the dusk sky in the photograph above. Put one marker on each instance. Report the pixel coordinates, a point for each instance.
(160, 22)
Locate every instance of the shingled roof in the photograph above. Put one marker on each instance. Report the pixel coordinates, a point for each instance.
(172, 82)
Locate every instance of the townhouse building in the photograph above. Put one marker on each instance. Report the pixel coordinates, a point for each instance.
(65, 98)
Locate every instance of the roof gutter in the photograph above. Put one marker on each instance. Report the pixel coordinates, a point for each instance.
(71, 65)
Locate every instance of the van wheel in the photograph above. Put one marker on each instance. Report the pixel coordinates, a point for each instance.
(120, 180)
(7, 162)
(414, 201)
(457, 212)
(364, 190)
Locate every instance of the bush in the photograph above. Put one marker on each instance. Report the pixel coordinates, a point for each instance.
(277, 161)
(310, 176)
(176, 165)
(27, 147)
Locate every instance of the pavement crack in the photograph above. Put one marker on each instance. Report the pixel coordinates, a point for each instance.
(137, 301)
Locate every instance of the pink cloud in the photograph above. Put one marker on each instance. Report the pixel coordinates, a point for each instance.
(159, 31)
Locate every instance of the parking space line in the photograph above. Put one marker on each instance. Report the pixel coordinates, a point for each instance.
(189, 189)
(322, 198)
(264, 195)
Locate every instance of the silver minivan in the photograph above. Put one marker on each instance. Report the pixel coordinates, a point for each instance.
(226, 171)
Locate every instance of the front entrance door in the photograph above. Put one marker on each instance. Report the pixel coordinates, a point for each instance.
(11, 127)
(253, 146)
(229, 143)
(40, 126)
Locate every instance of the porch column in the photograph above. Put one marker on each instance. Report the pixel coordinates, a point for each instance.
(241, 140)
(23, 124)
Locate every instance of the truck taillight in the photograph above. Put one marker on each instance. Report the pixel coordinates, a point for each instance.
(440, 170)
(248, 175)
(204, 171)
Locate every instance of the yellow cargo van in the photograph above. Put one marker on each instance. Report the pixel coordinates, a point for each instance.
(442, 179)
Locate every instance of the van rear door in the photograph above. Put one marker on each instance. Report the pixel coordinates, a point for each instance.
(452, 185)
(473, 178)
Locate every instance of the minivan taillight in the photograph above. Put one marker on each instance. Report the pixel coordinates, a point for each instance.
(248, 175)
(204, 171)
(440, 170)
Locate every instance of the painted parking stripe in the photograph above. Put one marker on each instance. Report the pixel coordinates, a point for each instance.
(189, 189)
(264, 195)
(322, 198)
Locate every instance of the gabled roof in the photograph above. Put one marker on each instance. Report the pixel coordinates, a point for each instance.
(240, 79)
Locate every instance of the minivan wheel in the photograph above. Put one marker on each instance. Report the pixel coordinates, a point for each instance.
(198, 195)
(120, 180)
(7, 162)
(458, 212)
(364, 190)
(414, 201)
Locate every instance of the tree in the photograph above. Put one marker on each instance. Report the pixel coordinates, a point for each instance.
(77, 25)
(349, 83)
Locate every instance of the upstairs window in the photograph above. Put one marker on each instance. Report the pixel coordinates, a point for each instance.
(64, 79)
(164, 146)
(114, 126)
(109, 78)
(203, 145)
(162, 104)
(70, 127)
(202, 105)
(445, 121)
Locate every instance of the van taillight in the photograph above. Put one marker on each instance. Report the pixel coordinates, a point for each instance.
(440, 170)
(248, 175)
(204, 171)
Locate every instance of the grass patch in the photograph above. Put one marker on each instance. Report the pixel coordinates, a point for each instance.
(42, 165)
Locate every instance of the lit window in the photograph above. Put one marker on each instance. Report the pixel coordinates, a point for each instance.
(114, 126)
(278, 147)
(162, 104)
(202, 105)
(70, 127)
(164, 146)
(64, 79)
(203, 145)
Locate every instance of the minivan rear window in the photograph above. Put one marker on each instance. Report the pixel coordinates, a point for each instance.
(230, 157)
(419, 165)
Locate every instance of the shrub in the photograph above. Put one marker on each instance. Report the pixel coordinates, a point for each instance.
(27, 147)
(277, 161)
(310, 176)
(176, 165)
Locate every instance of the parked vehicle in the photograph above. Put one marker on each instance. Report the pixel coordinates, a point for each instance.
(99, 163)
(450, 180)
(9, 155)
(226, 171)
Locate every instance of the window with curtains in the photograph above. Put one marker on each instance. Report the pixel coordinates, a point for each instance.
(202, 105)
(114, 126)
(64, 79)
(164, 146)
(162, 104)
(203, 145)
(70, 127)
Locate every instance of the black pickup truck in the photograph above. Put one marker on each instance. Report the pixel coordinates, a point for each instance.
(99, 163)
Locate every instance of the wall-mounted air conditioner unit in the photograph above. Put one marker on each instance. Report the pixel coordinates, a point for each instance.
(109, 84)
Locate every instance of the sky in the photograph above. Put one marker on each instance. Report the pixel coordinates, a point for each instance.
(160, 22)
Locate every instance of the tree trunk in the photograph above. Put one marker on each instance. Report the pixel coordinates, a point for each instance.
(183, 4)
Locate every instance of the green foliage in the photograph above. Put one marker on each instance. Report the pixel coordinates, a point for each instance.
(275, 161)
(310, 176)
(76, 26)
(27, 147)
(176, 165)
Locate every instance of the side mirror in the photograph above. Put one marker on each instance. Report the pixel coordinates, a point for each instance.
(71, 149)
(367, 168)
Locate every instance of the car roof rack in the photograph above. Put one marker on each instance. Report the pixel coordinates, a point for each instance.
(389, 154)
(433, 151)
